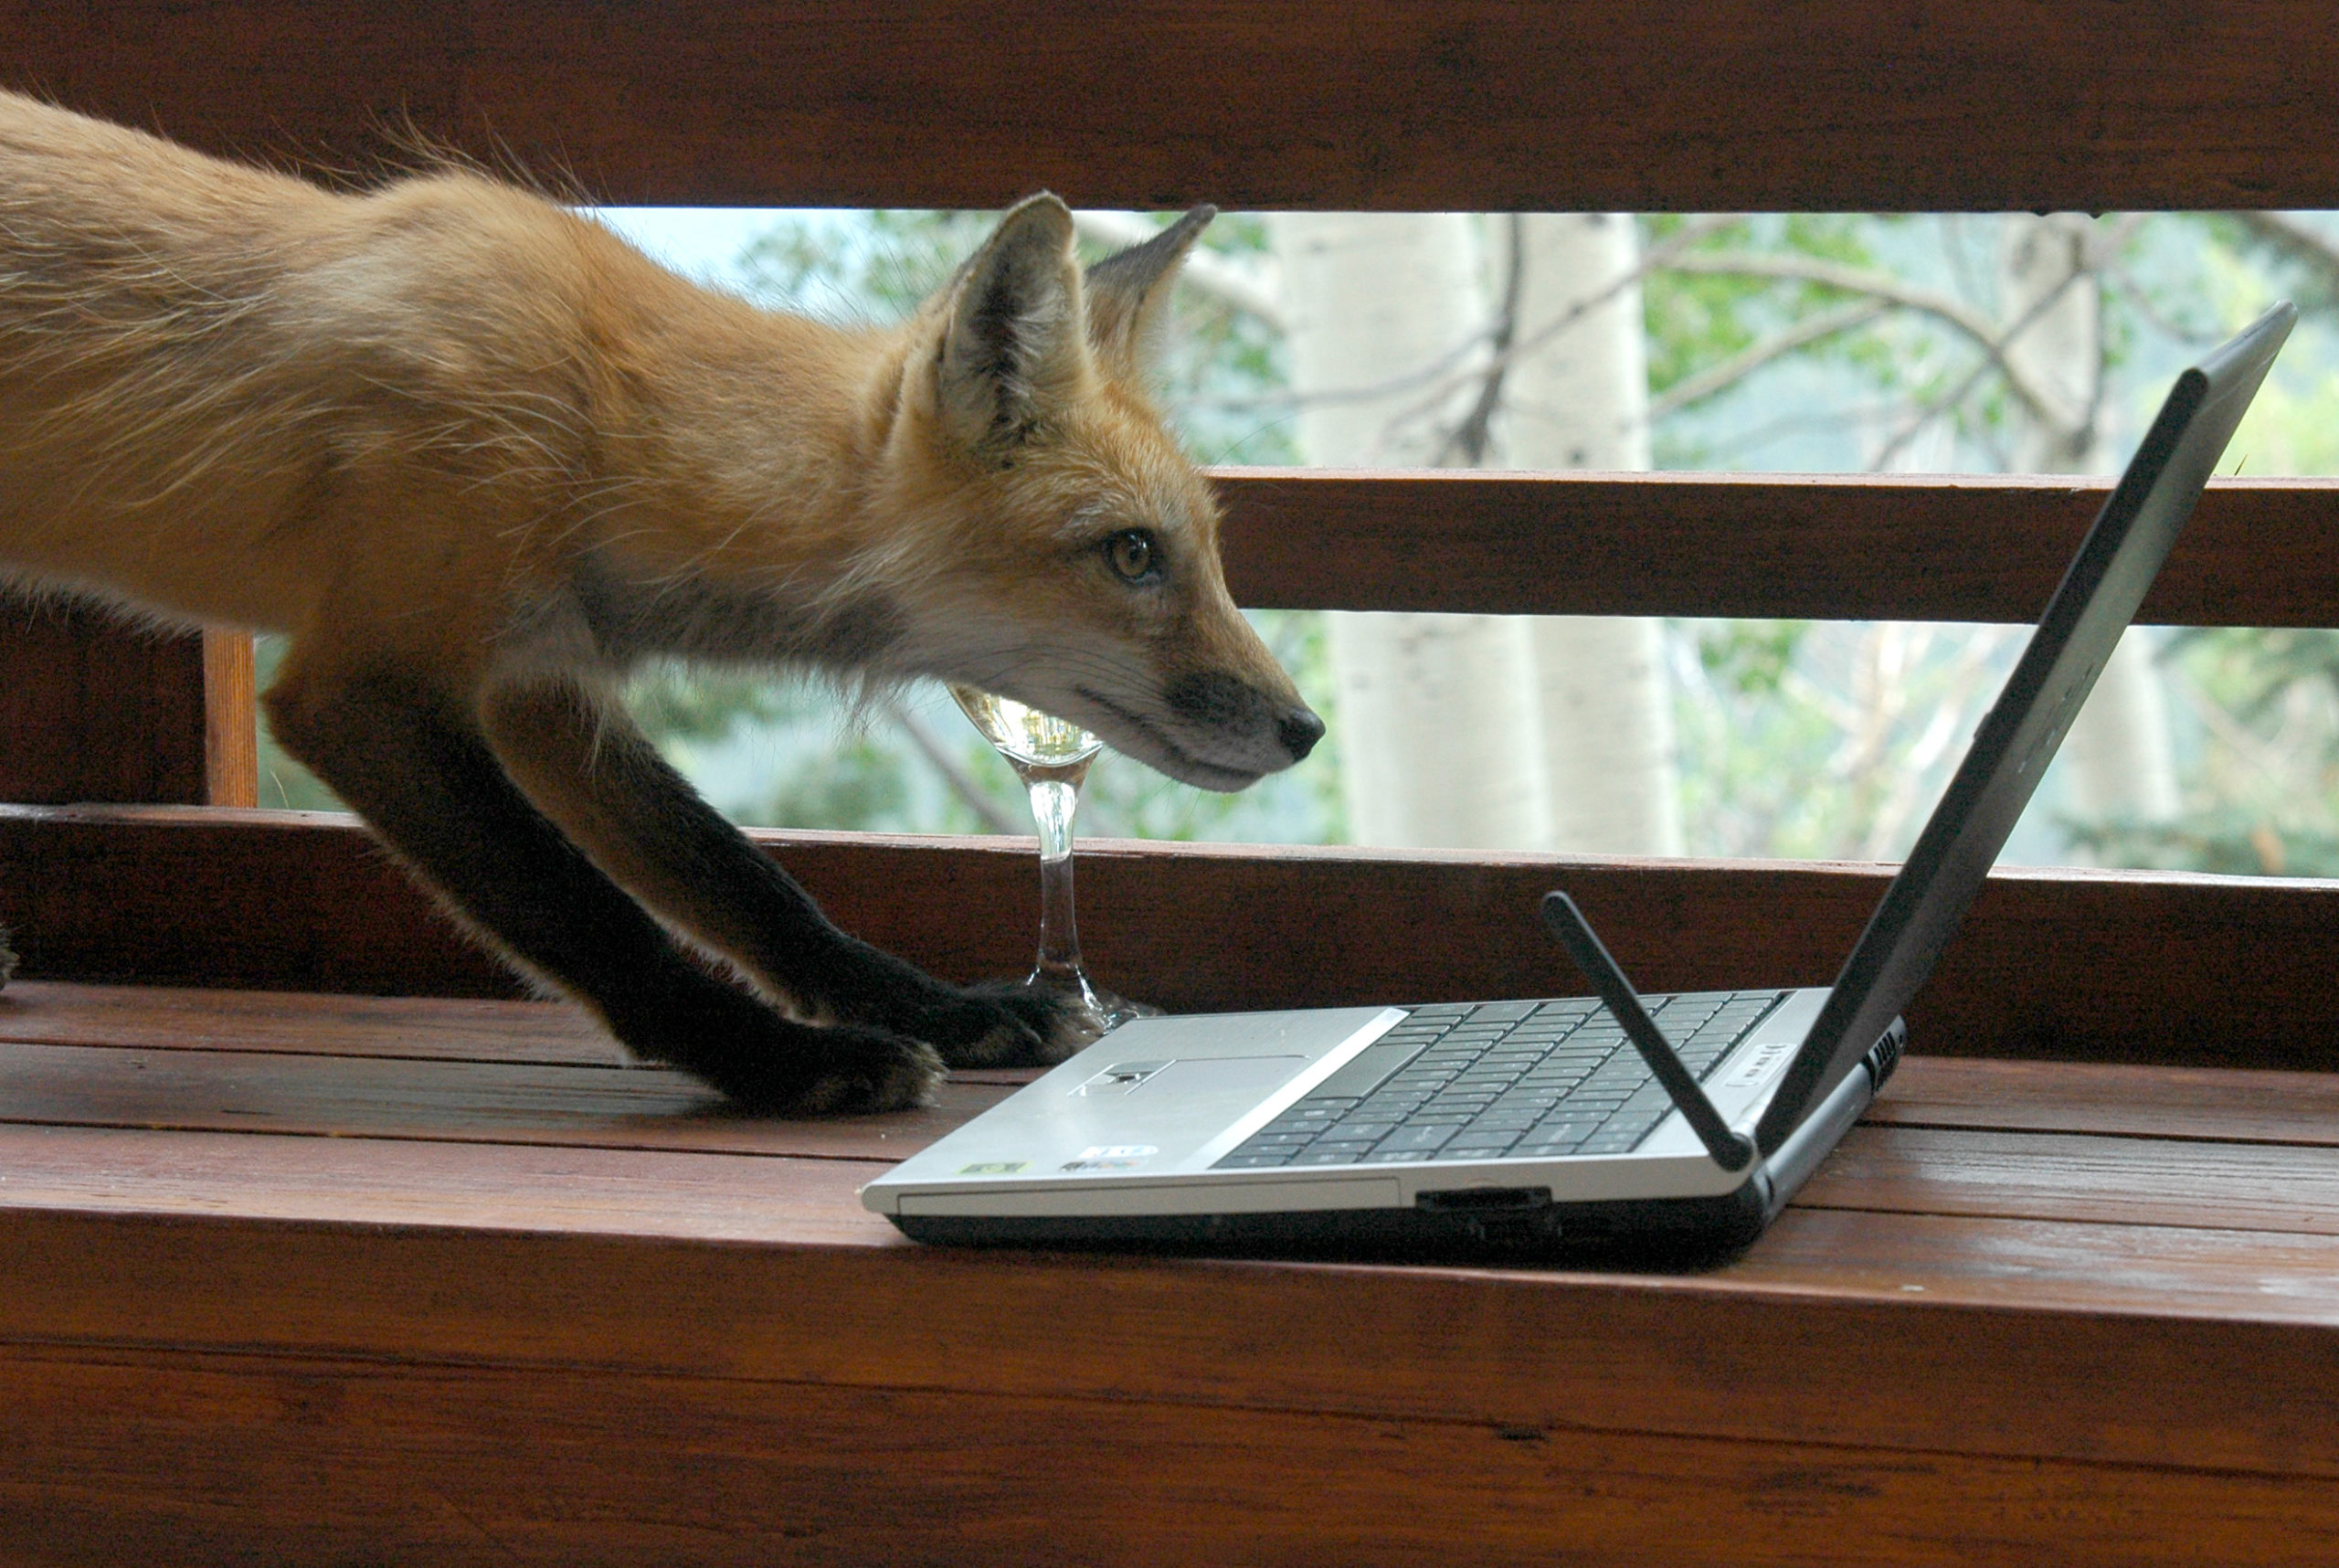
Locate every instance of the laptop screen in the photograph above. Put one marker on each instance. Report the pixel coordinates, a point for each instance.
(2098, 597)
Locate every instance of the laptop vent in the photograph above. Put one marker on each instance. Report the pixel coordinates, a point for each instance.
(1884, 1055)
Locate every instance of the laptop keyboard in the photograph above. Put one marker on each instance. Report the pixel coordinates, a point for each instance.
(1500, 1080)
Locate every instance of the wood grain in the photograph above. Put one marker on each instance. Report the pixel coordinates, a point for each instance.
(322, 1460)
(763, 1270)
(91, 709)
(171, 1018)
(2092, 966)
(1905, 105)
(2120, 1181)
(1871, 1255)
(1896, 547)
(2225, 1105)
(2143, 1102)
(444, 1101)
(2060, 1175)
(230, 720)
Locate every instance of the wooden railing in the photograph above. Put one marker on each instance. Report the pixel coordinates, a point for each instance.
(308, 1278)
(1907, 105)
(1460, 105)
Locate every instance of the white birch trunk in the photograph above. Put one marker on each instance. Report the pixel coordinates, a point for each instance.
(1579, 399)
(2117, 756)
(1435, 719)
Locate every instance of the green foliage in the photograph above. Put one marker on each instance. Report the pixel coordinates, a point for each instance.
(2262, 796)
(708, 706)
(2220, 839)
(861, 785)
(1751, 656)
(1694, 320)
(284, 784)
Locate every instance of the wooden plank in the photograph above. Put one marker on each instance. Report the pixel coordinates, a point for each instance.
(2088, 966)
(2059, 1175)
(1905, 105)
(151, 1456)
(94, 709)
(2029, 1265)
(2225, 1106)
(1820, 547)
(168, 1018)
(446, 1101)
(736, 1267)
(230, 720)
(479, 1190)
(2143, 1102)
(2062, 1176)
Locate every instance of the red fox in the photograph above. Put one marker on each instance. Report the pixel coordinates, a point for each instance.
(477, 458)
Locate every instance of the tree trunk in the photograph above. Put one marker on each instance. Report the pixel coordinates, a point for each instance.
(1435, 719)
(1577, 397)
(2117, 756)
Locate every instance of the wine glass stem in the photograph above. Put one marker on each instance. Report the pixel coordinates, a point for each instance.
(1054, 801)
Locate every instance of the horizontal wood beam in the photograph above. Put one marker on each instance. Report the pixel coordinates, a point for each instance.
(1901, 105)
(2107, 966)
(94, 709)
(1823, 546)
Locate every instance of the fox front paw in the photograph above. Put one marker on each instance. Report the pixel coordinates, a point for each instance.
(1003, 1023)
(772, 1066)
(846, 1070)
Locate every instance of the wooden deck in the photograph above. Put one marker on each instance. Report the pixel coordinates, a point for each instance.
(343, 1279)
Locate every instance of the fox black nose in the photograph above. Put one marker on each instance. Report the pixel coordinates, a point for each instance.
(1299, 732)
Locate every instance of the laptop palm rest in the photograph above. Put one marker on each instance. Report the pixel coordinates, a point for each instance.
(1247, 1075)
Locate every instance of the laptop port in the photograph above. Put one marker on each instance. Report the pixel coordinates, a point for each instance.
(1483, 1200)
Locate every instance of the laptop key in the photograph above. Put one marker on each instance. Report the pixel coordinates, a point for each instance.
(1413, 1137)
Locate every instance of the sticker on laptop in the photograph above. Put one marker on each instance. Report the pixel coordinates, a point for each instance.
(1120, 1152)
(995, 1168)
(1100, 1164)
(1758, 1064)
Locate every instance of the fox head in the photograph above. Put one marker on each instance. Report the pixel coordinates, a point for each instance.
(1060, 549)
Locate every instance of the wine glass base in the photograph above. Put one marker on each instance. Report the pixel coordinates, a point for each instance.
(1093, 1013)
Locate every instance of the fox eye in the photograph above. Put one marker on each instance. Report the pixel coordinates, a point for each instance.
(1132, 552)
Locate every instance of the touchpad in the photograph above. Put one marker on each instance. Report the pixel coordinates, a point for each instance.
(1194, 1076)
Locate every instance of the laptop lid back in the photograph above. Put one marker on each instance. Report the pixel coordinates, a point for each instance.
(2098, 597)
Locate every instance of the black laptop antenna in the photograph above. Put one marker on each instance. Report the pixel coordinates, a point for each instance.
(1731, 1151)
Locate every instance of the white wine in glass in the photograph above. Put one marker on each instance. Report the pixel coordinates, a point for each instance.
(1051, 757)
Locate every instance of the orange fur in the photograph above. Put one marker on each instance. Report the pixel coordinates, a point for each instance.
(391, 423)
(478, 457)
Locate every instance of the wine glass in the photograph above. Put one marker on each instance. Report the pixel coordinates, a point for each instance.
(1051, 757)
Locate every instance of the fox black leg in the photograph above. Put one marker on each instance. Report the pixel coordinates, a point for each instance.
(410, 760)
(588, 766)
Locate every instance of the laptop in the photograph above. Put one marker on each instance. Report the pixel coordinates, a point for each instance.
(1661, 1126)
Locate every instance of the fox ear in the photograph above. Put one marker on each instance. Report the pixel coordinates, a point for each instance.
(1011, 346)
(1125, 290)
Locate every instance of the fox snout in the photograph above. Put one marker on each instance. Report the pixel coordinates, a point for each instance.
(1210, 729)
(1221, 703)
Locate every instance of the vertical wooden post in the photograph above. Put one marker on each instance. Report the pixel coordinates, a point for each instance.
(93, 708)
